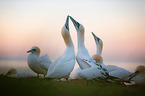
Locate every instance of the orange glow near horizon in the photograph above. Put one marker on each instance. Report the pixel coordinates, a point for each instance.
(120, 25)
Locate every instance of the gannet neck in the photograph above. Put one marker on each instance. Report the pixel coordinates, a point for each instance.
(65, 33)
(99, 44)
(81, 40)
(99, 48)
(66, 37)
(80, 36)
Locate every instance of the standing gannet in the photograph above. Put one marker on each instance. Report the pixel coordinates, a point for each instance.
(97, 57)
(139, 75)
(63, 65)
(90, 69)
(113, 70)
(38, 64)
(13, 73)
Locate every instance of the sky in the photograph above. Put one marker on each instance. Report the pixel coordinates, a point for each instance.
(119, 23)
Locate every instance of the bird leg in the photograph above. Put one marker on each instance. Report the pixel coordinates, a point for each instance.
(37, 75)
(67, 79)
(59, 79)
(44, 75)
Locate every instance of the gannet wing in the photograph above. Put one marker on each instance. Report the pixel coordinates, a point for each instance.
(98, 65)
(104, 68)
(91, 73)
(91, 62)
(62, 69)
(51, 67)
(88, 62)
(45, 62)
(45, 58)
(112, 67)
(24, 75)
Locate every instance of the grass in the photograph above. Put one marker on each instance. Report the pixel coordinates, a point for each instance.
(51, 87)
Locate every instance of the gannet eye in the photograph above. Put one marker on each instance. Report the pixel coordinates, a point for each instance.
(34, 50)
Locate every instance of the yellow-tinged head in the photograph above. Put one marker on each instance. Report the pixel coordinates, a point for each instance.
(140, 70)
(35, 50)
(99, 44)
(80, 31)
(65, 33)
(79, 27)
(12, 71)
(98, 58)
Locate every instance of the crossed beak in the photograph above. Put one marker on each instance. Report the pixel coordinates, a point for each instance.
(76, 24)
(95, 37)
(67, 23)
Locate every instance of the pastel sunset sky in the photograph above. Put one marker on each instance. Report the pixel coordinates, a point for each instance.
(26, 23)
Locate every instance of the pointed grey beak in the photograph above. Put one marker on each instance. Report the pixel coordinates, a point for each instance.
(134, 74)
(95, 37)
(67, 23)
(76, 24)
(29, 51)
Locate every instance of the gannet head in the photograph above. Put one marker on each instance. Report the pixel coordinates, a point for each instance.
(65, 33)
(79, 27)
(12, 71)
(98, 40)
(98, 58)
(140, 70)
(34, 50)
(65, 29)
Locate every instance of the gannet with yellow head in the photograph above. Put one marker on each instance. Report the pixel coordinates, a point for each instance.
(90, 69)
(112, 69)
(139, 75)
(63, 65)
(13, 73)
(38, 64)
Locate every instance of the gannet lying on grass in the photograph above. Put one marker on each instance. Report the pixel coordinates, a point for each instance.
(13, 73)
(139, 75)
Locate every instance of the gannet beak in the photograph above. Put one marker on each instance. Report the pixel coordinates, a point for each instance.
(134, 74)
(95, 37)
(29, 51)
(67, 23)
(76, 24)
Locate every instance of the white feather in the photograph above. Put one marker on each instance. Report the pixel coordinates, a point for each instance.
(22, 75)
(38, 64)
(118, 72)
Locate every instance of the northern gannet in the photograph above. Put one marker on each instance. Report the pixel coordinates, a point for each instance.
(13, 73)
(139, 75)
(113, 70)
(90, 69)
(38, 64)
(97, 57)
(63, 65)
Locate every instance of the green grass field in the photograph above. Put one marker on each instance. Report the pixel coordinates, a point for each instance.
(51, 87)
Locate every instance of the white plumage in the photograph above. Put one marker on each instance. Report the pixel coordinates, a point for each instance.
(139, 75)
(89, 68)
(118, 72)
(112, 69)
(13, 73)
(38, 64)
(63, 65)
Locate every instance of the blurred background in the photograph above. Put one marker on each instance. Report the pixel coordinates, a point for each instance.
(26, 23)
